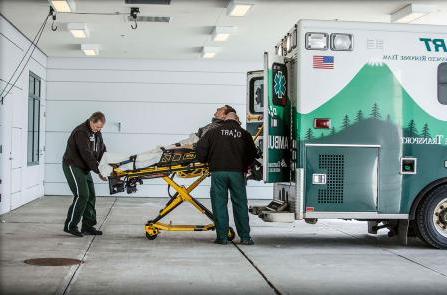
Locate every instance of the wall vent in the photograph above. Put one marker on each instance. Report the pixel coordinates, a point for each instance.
(150, 19)
(158, 2)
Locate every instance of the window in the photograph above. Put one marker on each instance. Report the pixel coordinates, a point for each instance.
(257, 95)
(33, 119)
(442, 83)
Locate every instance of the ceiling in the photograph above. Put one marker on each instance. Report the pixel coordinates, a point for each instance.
(191, 25)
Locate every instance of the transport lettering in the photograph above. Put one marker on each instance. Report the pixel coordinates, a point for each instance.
(438, 139)
(234, 133)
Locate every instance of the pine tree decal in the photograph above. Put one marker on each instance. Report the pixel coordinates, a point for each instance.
(388, 118)
(426, 131)
(322, 135)
(411, 129)
(309, 134)
(333, 131)
(346, 122)
(375, 112)
(359, 117)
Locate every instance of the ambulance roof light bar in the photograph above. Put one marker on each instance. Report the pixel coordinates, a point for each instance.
(411, 12)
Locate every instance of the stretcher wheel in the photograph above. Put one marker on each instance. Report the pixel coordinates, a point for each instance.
(152, 233)
(231, 234)
(150, 236)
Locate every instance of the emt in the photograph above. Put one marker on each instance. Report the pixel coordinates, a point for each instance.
(229, 150)
(85, 148)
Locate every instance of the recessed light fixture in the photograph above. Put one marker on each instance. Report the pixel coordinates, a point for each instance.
(221, 34)
(63, 5)
(209, 52)
(238, 8)
(78, 30)
(90, 49)
(411, 12)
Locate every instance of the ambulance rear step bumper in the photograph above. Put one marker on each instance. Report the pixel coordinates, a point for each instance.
(269, 216)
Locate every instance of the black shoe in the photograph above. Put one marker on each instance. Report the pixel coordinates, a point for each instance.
(91, 231)
(73, 231)
(247, 242)
(221, 241)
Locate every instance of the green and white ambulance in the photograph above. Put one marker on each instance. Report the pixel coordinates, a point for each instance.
(354, 119)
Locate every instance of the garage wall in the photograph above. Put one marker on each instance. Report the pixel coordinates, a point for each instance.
(146, 102)
(20, 183)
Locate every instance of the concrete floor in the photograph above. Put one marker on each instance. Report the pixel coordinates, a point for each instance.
(332, 257)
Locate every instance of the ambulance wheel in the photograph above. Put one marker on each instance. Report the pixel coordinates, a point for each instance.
(231, 234)
(431, 218)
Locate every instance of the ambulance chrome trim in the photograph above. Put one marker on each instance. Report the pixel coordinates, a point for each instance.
(345, 145)
(299, 201)
(265, 119)
(354, 215)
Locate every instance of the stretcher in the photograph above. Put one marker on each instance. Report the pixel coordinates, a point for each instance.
(181, 162)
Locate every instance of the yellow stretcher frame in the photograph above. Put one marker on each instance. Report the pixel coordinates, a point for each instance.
(183, 194)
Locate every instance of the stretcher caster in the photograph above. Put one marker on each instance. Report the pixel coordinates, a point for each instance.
(152, 233)
(231, 234)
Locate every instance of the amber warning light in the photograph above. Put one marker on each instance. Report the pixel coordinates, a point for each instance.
(322, 123)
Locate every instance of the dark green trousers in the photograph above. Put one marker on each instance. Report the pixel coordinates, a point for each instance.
(82, 187)
(221, 183)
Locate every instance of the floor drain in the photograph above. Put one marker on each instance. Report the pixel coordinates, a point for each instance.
(53, 261)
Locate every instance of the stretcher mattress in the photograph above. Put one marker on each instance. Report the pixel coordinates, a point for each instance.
(145, 159)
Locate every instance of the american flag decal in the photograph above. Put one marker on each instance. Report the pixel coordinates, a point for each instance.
(323, 62)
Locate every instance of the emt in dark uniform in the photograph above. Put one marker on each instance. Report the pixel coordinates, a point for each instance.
(85, 148)
(229, 150)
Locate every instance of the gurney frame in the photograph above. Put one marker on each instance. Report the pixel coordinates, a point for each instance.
(183, 194)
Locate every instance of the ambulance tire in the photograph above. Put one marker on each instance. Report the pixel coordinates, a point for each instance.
(431, 218)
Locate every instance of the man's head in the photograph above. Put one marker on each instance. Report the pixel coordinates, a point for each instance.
(223, 111)
(97, 121)
(232, 116)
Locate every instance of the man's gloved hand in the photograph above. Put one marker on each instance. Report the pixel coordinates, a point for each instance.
(103, 178)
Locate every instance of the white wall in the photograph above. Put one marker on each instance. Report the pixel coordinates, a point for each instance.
(19, 183)
(157, 103)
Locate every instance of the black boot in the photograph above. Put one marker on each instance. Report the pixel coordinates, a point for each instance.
(73, 231)
(247, 242)
(91, 231)
(221, 241)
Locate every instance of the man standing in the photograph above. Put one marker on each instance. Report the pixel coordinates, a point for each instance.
(85, 148)
(229, 150)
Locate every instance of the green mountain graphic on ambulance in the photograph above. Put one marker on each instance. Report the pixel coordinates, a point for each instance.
(436, 45)
(374, 93)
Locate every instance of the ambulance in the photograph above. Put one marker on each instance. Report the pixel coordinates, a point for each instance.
(354, 120)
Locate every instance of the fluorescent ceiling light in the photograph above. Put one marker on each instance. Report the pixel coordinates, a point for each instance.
(411, 12)
(78, 30)
(221, 34)
(63, 5)
(210, 52)
(238, 8)
(90, 49)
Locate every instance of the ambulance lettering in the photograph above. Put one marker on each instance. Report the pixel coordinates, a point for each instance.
(278, 142)
(436, 45)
